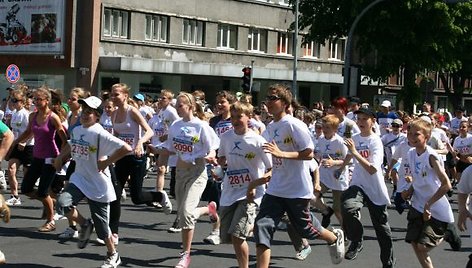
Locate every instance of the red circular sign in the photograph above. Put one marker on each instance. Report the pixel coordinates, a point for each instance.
(12, 73)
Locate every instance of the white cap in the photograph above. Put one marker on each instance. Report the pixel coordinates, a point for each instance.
(92, 102)
(426, 118)
(386, 103)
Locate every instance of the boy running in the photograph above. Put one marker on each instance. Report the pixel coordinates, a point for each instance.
(290, 189)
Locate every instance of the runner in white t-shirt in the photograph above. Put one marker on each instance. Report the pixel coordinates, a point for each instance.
(367, 188)
(194, 143)
(331, 152)
(464, 221)
(290, 145)
(430, 210)
(93, 149)
(243, 184)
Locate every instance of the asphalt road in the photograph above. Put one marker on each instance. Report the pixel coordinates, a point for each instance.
(144, 242)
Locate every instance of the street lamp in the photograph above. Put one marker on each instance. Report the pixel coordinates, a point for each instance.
(295, 54)
(347, 91)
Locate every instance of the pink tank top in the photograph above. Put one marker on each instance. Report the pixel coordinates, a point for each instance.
(45, 146)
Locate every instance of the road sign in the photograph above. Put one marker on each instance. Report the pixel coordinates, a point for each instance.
(12, 73)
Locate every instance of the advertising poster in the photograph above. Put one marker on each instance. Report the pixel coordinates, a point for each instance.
(32, 26)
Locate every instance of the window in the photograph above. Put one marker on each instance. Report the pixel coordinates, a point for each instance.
(193, 32)
(284, 43)
(156, 28)
(116, 23)
(336, 49)
(311, 49)
(227, 36)
(284, 2)
(257, 40)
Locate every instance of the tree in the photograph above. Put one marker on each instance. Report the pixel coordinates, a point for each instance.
(417, 35)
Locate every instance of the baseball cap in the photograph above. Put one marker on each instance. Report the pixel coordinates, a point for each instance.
(355, 100)
(368, 112)
(92, 102)
(459, 109)
(386, 103)
(139, 96)
(397, 121)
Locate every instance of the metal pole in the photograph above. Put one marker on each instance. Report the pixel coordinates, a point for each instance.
(295, 54)
(252, 76)
(349, 44)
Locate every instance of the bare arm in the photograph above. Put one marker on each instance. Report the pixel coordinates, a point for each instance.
(7, 141)
(148, 133)
(442, 190)
(464, 213)
(362, 161)
(272, 148)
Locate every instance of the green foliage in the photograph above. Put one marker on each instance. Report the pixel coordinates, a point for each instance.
(420, 34)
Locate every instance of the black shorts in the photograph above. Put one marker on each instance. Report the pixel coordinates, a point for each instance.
(25, 157)
(429, 233)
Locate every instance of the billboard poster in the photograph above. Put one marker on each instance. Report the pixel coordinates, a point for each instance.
(32, 26)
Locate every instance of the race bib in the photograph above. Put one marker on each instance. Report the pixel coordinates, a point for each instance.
(159, 132)
(80, 151)
(277, 162)
(238, 178)
(182, 146)
(128, 138)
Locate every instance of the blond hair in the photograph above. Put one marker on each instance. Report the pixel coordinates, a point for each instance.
(242, 108)
(421, 124)
(330, 120)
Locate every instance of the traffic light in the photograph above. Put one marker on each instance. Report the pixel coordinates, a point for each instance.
(246, 86)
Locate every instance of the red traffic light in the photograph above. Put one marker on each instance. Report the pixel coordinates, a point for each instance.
(247, 70)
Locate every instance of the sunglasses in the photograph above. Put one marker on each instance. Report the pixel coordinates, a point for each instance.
(39, 99)
(395, 125)
(73, 99)
(13, 100)
(273, 98)
(88, 110)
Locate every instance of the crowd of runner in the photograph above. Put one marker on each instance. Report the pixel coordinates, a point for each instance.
(256, 168)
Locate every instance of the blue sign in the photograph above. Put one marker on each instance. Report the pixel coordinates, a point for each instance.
(12, 73)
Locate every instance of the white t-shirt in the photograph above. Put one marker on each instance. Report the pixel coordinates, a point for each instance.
(391, 142)
(455, 123)
(426, 183)
(246, 161)
(463, 145)
(191, 139)
(161, 122)
(370, 148)
(401, 155)
(19, 123)
(84, 144)
(465, 187)
(256, 125)
(342, 127)
(290, 178)
(106, 122)
(332, 177)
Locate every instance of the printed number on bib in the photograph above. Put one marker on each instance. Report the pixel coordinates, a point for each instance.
(238, 178)
(277, 162)
(364, 153)
(182, 147)
(80, 151)
(129, 139)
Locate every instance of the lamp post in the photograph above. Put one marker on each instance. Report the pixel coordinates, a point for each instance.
(347, 91)
(295, 54)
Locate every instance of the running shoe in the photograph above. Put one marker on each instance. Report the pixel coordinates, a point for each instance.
(212, 211)
(303, 254)
(175, 227)
(2, 258)
(353, 250)
(69, 233)
(336, 250)
(184, 261)
(3, 182)
(14, 201)
(85, 232)
(165, 203)
(112, 261)
(213, 238)
(58, 217)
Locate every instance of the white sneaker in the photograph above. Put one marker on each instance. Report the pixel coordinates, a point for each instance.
(114, 238)
(337, 250)
(3, 182)
(69, 233)
(2, 258)
(112, 261)
(123, 195)
(165, 203)
(58, 217)
(13, 201)
(213, 238)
